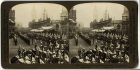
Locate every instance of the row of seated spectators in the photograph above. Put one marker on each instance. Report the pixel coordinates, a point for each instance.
(48, 49)
(106, 48)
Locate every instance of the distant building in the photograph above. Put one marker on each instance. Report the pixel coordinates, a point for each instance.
(63, 27)
(106, 21)
(38, 24)
(45, 21)
(125, 21)
(68, 22)
(11, 26)
(64, 14)
(12, 15)
(100, 24)
(116, 24)
(123, 27)
(125, 15)
(56, 24)
(93, 23)
(72, 14)
(72, 22)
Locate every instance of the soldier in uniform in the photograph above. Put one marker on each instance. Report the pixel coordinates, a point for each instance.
(76, 40)
(15, 39)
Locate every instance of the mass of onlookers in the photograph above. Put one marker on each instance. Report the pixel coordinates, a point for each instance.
(53, 48)
(107, 47)
(50, 48)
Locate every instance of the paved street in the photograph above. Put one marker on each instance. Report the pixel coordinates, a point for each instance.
(13, 49)
(74, 48)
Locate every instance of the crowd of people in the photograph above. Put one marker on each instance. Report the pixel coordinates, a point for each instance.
(49, 48)
(53, 48)
(107, 47)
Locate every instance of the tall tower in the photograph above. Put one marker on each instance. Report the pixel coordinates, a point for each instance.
(11, 26)
(44, 14)
(12, 15)
(64, 14)
(72, 14)
(125, 14)
(108, 17)
(125, 22)
(105, 15)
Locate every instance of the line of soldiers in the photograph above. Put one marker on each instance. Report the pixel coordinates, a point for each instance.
(48, 49)
(47, 38)
(76, 39)
(107, 48)
(85, 37)
(15, 39)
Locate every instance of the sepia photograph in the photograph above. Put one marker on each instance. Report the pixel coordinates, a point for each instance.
(37, 36)
(48, 33)
(101, 35)
(69, 34)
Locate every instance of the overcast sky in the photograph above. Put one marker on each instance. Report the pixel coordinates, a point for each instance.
(89, 11)
(24, 12)
(85, 12)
